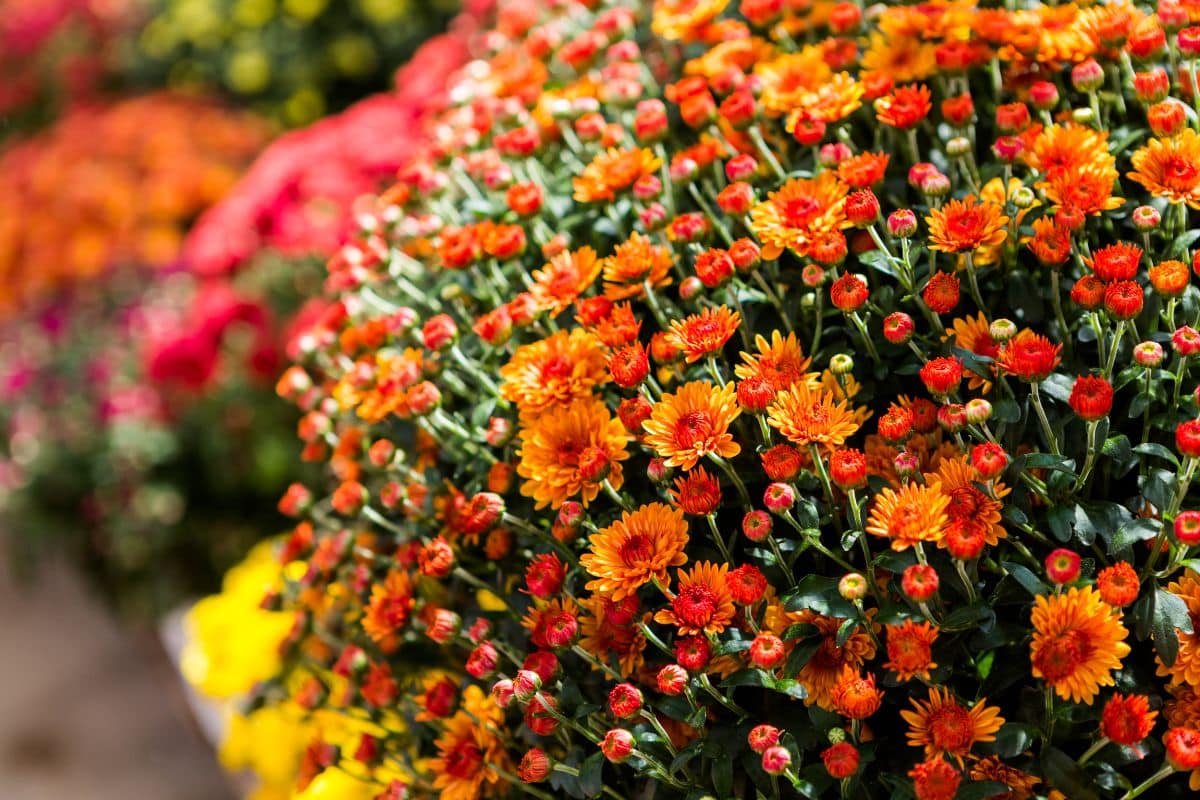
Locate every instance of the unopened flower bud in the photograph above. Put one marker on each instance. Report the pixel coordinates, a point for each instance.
(779, 497)
(1146, 218)
(852, 586)
(762, 737)
(1001, 330)
(978, 411)
(618, 745)
(902, 223)
(776, 760)
(841, 364)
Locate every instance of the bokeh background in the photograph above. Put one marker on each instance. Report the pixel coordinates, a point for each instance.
(162, 215)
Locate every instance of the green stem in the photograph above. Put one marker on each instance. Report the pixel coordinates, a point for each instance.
(1051, 440)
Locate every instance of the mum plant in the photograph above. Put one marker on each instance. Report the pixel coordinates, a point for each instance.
(767, 399)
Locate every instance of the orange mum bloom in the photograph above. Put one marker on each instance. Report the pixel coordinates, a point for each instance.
(568, 275)
(855, 696)
(807, 415)
(1068, 149)
(1186, 668)
(1029, 356)
(614, 171)
(466, 749)
(914, 514)
(966, 225)
(1021, 785)
(1170, 168)
(910, 649)
(863, 170)
(822, 671)
(704, 334)
(697, 492)
(943, 726)
(1088, 190)
(905, 107)
(780, 362)
(799, 213)
(568, 450)
(1078, 641)
(682, 20)
(788, 80)
(974, 334)
(633, 263)
(636, 549)
(968, 506)
(553, 371)
(389, 609)
(692, 423)
(703, 603)
(1050, 243)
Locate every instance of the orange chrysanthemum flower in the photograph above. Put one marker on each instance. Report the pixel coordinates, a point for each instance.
(905, 107)
(466, 752)
(1029, 356)
(692, 423)
(834, 99)
(1021, 785)
(701, 335)
(780, 362)
(1186, 668)
(612, 172)
(823, 669)
(863, 170)
(608, 628)
(969, 507)
(1183, 709)
(1170, 168)
(1068, 149)
(807, 415)
(799, 213)
(1088, 190)
(568, 275)
(550, 622)
(854, 695)
(702, 603)
(943, 726)
(914, 514)
(965, 225)
(682, 20)
(389, 609)
(1050, 243)
(789, 80)
(697, 492)
(632, 264)
(568, 450)
(903, 58)
(910, 649)
(1127, 719)
(1078, 642)
(974, 334)
(553, 371)
(637, 548)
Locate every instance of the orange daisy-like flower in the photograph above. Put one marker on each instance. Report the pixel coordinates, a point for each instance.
(807, 415)
(1029, 356)
(969, 507)
(1186, 668)
(568, 450)
(1078, 642)
(910, 649)
(1183, 709)
(568, 275)
(466, 752)
(1088, 190)
(389, 609)
(966, 225)
(1170, 168)
(834, 99)
(799, 213)
(692, 423)
(824, 668)
(854, 695)
(697, 492)
(863, 170)
(905, 107)
(683, 20)
(1050, 243)
(610, 628)
(1068, 149)
(788, 80)
(612, 172)
(1021, 785)
(903, 58)
(780, 362)
(974, 334)
(636, 549)
(914, 514)
(703, 603)
(554, 371)
(942, 725)
(632, 264)
(549, 622)
(704, 334)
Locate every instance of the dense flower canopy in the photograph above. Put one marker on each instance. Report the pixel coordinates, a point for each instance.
(720, 374)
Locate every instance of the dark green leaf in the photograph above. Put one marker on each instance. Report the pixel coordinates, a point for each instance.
(591, 775)
(1022, 575)
(1170, 613)
(1058, 386)
(819, 594)
(1155, 449)
(1135, 530)
(1050, 461)
(1006, 411)
(749, 677)
(722, 776)
(1158, 486)
(982, 790)
(1013, 739)
(1064, 774)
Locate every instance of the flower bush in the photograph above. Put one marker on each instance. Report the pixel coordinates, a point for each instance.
(766, 399)
(295, 60)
